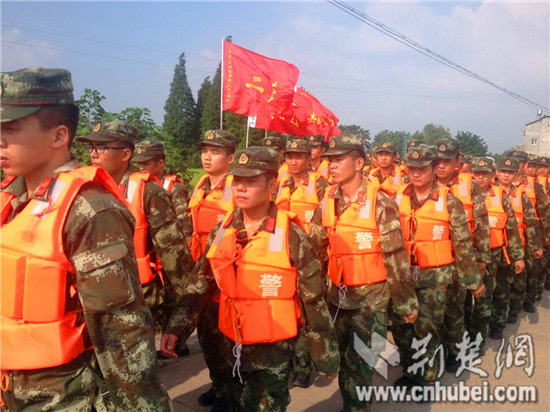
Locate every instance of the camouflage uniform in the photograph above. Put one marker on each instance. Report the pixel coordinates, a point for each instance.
(487, 310)
(164, 235)
(148, 150)
(278, 143)
(432, 282)
(544, 280)
(323, 167)
(364, 309)
(376, 175)
(265, 367)
(120, 372)
(453, 326)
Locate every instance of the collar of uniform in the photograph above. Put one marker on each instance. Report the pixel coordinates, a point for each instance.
(207, 185)
(66, 167)
(124, 180)
(433, 195)
(454, 179)
(291, 183)
(362, 188)
(238, 223)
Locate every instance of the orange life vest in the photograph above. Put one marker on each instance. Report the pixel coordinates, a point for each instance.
(6, 198)
(283, 172)
(323, 169)
(497, 216)
(517, 205)
(303, 201)
(257, 283)
(36, 329)
(431, 245)
(148, 265)
(462, 189)
(392, 182)
(207, 211)
(169, 181)
(528, 185)
(355, 253)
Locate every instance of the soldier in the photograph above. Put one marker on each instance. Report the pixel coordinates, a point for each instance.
(538, 197)
(300, 192)
(435, 229)
(150, 157)
(367, 262)
(278, 143)
(387, 174)
(503, 228)
(212, 199)
(414, 143)
(162, 255)
(465, 188)
(544, 179)
(510, 290)
(372, 160)
(318, 162)
(81, 336)
(465, 163)
(263, 264)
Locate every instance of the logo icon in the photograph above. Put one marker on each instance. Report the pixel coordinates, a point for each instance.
(97, 127)
(243, 159)
(332, 143)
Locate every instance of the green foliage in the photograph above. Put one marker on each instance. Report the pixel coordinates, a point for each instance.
(211, 111)
(399, 138)
(432, 132)
(472, 144)
(357, 130)
(90, 107)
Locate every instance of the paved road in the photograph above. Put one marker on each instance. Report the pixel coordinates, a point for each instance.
(187, 378)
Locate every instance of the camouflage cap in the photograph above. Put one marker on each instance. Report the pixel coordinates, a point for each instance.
(255, 161)
(415, 142)
(24, 92)
(345, 144)
(421, 156)
(148, 149)
(508, 163)
(110, 131)
(482, 164)
(533, 159)
(276, 142)
(447, 148)
(219, 138)
(385, 147)
(545, 161)
(466, 158)
(316, 139)
(298, 146)
(398, 159)
(519, 154)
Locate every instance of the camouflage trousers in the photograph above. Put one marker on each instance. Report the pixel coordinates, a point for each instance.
(534, 270)
(477, 311)
(544, 277)
(302, 364)
(209, 336)
(75, 386)
(453, 325)
(354, 371)
(500, 307)
(264, 390)
(431, 312)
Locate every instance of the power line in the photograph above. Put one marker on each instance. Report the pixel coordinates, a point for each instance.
(375, 24)
(202, 71)
(217, 59)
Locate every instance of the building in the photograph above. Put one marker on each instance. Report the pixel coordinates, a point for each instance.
(537, 137)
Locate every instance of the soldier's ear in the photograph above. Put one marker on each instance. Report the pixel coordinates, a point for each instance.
(60, 136)
(126, 154)
(231, 158)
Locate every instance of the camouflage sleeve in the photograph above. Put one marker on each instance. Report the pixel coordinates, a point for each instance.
(482, 245)
(319, 234)
(515, 248)
(98, 238)
(396, 261)
(180, 200)
(317, 323)
(167, 237)
(322, 184)
(469, 276)
(542, 210)
(533, 234)
(200, 287)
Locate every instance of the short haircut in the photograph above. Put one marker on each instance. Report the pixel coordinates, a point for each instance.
(62, 115)
(356, 154)
(270, 175)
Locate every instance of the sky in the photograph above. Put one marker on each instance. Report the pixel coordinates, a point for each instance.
(127, 51)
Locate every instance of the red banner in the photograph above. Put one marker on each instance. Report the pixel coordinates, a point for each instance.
(253, 83)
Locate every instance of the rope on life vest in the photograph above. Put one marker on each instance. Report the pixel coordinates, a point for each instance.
(342, 292)
(237, 366)
(4, 384)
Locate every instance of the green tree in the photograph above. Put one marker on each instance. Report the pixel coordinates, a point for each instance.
(399, 138)
(472, 144)
(358, 130)
(201, 100)
(91, 110)
(211, 111)
(433, 132)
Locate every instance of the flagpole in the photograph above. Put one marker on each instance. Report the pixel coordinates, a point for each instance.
(247, 130)
(265, 133)
(221, 92)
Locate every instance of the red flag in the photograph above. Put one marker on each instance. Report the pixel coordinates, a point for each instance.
(254, 83)
(308, 116)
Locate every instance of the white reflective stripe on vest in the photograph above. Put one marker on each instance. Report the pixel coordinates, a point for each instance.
(463, 188)
(130, 191)
(364, 211)
(56, 189)
(276, 240)
(439, 204)
(226, 192)
(496, 200)
(398, 199)
(516, 200)
(166, 184)
(311, 187)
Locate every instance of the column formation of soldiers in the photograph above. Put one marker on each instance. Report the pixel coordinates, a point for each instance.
(280, 266)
